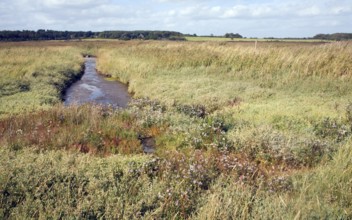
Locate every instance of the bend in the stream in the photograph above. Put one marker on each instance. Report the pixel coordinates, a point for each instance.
(94, 88)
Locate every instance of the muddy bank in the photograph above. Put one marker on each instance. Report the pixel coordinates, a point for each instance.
(70, 82)
(94, 88)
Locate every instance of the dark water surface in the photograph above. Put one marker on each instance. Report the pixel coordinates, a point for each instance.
(94, 88)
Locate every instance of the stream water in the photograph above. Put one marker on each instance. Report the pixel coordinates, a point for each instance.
(94, 88)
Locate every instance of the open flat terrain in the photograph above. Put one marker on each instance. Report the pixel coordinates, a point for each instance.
(207, 39)
(240, 131)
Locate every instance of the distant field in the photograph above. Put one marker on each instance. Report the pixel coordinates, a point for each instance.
(251, 39)
(99, 39)
(240, 132)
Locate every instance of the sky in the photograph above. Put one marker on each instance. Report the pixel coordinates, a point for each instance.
(251, 18)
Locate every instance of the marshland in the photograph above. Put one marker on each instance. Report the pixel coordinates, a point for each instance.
(241, 130)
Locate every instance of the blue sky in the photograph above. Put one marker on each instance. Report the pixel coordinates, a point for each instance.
(251, 18)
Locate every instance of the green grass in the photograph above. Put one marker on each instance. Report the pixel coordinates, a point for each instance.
(31, 77)
(240, 133)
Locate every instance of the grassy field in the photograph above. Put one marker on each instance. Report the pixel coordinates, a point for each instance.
(207, 39)
(240, 132)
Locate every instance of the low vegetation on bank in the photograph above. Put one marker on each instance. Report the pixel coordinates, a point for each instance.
(240, 132)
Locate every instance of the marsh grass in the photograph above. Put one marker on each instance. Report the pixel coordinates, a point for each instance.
(214, 74)
(31, 76)
(320, 193)
(290, 88)
(41, 180)
(239, 133)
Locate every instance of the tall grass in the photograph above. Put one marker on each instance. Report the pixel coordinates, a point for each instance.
(214, 74)
(238, 132)
(289, 88)
(31, 77)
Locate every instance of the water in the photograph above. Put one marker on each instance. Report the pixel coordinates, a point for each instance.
(94, 88)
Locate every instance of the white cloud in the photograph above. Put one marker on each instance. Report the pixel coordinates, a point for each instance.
(236, 11)
(310, 11)
(252, 11)
(258, 18)
(174, 1)
(189, 11)
(339, 10)
(71, 3)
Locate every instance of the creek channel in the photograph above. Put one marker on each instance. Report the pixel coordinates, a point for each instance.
(95, 88)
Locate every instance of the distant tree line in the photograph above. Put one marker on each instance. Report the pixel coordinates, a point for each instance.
(44, 35)
(147, 35)
(41, 34)
(232, 35)
(336, 36)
